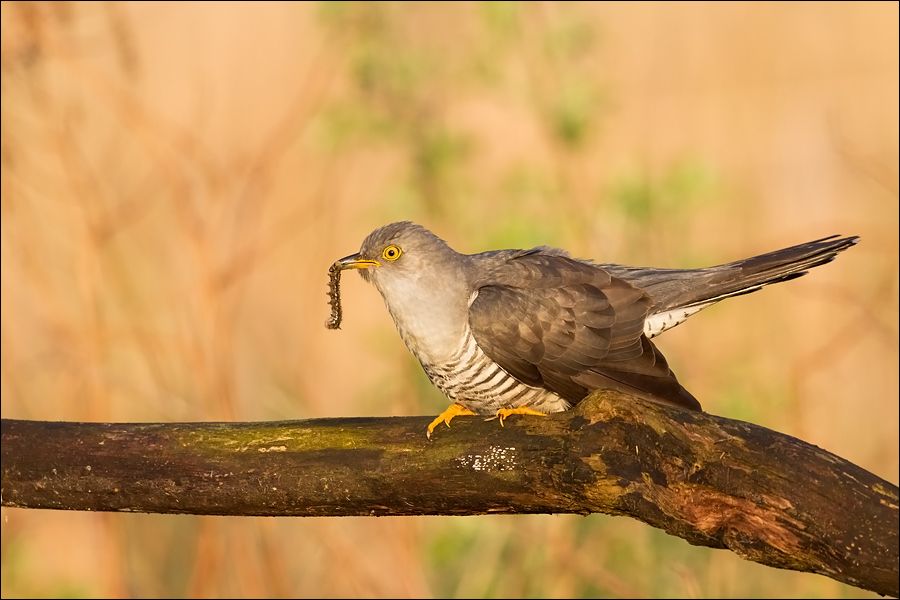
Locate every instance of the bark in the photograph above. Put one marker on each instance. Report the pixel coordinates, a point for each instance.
(715, 482)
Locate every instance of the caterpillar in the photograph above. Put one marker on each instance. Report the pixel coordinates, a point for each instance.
(334, 297)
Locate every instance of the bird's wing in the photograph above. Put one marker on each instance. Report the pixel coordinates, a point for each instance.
(570, 327)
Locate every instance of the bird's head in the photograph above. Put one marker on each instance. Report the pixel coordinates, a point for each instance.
(401, 253)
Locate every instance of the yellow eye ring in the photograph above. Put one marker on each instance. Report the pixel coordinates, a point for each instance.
(391, 252)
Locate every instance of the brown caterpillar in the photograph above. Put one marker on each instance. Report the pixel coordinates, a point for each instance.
(334, 297)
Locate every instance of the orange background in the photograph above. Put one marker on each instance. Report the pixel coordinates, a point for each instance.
(176, 179)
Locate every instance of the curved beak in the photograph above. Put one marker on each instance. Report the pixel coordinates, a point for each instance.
(355, 262)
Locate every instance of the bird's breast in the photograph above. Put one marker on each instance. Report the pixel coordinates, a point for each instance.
(433, 322)
(472, 379)
(430, 318)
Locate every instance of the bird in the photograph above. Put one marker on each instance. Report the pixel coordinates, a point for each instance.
(535, 331)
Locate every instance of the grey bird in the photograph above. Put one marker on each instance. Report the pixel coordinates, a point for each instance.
(535, 331)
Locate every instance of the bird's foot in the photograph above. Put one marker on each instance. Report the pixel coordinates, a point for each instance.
(522, 410)
(454, 410)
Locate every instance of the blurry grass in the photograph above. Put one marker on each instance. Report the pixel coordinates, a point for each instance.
(679, 191)
(595, 556)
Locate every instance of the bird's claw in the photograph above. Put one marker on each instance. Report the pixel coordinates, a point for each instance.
(503, 413)
(454, 410)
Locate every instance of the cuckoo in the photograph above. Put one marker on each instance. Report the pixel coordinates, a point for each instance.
(535, 331)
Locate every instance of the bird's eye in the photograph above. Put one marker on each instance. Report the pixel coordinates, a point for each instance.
(391, 252)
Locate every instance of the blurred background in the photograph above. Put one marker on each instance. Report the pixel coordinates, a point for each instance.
(177, 178)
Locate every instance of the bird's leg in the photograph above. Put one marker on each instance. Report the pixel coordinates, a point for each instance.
(454, 410)
(522, 410)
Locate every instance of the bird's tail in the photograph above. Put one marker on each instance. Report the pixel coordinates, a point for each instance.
(677, 294)
(751, 274)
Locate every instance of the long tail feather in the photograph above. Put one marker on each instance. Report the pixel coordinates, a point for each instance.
(678, 294)
(751, 274)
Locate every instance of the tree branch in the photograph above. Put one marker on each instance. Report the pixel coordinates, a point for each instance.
(715, 482)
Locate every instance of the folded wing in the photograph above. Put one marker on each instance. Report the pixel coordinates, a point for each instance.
(570, 327)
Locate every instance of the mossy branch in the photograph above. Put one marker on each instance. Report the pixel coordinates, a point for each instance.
(715, 482)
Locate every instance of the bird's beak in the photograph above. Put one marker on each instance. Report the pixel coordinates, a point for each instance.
(355, 262)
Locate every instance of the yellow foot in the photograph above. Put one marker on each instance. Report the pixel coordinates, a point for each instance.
(522, 410)
(454, 410)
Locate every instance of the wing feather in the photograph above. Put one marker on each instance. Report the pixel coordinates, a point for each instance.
(570, 327)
